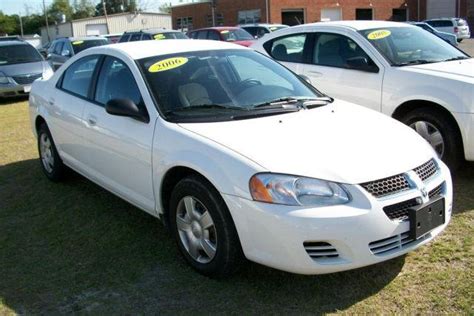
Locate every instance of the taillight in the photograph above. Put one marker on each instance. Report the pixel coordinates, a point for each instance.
(456, 29)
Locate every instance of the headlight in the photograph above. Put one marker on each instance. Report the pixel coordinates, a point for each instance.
(3, 78)
(292, 190)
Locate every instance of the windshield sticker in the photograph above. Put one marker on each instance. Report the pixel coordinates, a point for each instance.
(224, 31)
(168, 64)
(159, 36)
(77, 42)
(273, 28)
(379, 34)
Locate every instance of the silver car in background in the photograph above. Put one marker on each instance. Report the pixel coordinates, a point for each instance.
(20, 65)
(448, 37)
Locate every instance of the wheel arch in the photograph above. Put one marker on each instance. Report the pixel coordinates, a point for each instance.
(38, 122)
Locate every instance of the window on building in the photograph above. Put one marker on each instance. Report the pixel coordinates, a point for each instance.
(364, 14)
(219, 19)
(249, 16)
(399, 15)
(184, 23)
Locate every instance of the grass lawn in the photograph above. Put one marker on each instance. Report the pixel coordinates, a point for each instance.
(73, 247)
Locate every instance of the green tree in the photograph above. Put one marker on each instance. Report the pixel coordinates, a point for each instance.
(116, 6)
(8, 24)
(166, 8)
(83, 9)
(32, 24)
(60, 7)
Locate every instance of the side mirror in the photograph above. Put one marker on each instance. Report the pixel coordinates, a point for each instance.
(126, 107)
(66, 53)
(361, 63)
(48, 56)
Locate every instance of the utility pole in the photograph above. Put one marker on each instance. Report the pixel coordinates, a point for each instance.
(21, 25)
(46, 18)
(213, 11)
(106, 18)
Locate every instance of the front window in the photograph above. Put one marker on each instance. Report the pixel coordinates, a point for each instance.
(18, 54)
(410, 45)
(236, 35)
(222, 85)
(79, 45)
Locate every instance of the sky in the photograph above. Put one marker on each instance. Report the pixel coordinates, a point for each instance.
(36, 6)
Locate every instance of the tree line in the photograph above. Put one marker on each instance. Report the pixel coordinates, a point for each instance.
(59, 9)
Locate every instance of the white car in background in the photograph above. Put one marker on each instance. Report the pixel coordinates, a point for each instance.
(241, 157)
(456, 26)
(395, 68)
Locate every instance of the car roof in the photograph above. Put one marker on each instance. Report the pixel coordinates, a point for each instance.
(13, 42)
(84, 38)
(218, 28)
(151, 31)
(143, 49)
(357, 25)
(262, 24)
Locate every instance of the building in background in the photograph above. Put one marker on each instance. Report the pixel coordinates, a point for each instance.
(115, 23)
(205, 13)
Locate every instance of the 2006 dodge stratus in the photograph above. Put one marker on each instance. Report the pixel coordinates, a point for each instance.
(241, 157)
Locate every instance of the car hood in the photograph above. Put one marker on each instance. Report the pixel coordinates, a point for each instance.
(457, 69)
(23, 69)
(340, 142)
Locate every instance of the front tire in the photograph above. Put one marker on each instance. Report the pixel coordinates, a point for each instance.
(439, 131)
(51, 163)
(203, 228)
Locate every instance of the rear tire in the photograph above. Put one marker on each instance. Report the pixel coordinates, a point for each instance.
(204, 229)
(51, 163)
(434, 126)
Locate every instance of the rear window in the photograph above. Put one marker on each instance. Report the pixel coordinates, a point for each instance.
(80, 45)
(124, 38)
(169, 35)
(440, 23)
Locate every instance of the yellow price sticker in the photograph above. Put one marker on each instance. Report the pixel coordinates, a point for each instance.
(379, 34)
(159, 36)
(77, 42)
(168, 64)
(224, 31)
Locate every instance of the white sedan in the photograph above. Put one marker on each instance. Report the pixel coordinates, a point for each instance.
(395, 68)
(240, 157)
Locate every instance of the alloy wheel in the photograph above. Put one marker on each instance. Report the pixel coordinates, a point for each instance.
(46, 153)
(431, 134)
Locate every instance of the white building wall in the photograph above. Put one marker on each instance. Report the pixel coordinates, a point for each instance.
(55, 31)
(121, 23)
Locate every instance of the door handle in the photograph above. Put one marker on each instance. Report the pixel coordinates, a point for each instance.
(92, 120)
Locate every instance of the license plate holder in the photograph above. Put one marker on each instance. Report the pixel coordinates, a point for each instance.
(426, 217)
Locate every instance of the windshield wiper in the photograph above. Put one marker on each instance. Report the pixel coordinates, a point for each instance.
(416, 62)
(295, 102)
(277, 103)
(206, 107)
(456, 58)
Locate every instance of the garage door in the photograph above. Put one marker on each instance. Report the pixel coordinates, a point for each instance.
(441, 8)
(96, 29)
(333, 14)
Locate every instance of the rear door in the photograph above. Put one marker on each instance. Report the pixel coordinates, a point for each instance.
(56, 55)
(332, 69)
(119, 148)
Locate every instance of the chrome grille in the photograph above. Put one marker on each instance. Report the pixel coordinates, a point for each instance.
(426, 170)
(320, 250)
(387, 186)
(399, 211)
(394, 243)
(26, 79)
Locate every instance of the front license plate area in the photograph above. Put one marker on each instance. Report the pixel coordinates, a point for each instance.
(426, 217)
(26, 89)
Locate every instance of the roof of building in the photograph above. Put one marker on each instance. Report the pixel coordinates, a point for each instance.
(119, 14)
(217, 28)
(143, 49)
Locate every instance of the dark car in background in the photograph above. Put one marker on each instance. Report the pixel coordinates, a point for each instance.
(20, 65)
(151, 34)
(64, 48)
(231, 34)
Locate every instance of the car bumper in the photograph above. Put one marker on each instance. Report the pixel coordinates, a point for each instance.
(276, 235)
(463, 35)
(466, 122)
(14, 90)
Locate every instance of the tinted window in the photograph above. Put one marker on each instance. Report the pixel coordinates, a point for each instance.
(52, 47)
(146, 37)
(440, 23)
(252, 30)
(116, 82)
(288, 48)
(17, 54)
(236, 35)
(77, 77)
(79, 46)
(66, 50)
(213, 36)
(202, 35)
(135, 37)
(169, 35)
(124, 38)
(58, 48)
(335, 50)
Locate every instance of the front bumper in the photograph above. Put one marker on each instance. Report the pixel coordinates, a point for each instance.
(466, 124)
(276, 235)
(14, 90)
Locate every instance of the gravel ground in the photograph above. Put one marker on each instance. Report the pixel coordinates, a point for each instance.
(467, 45)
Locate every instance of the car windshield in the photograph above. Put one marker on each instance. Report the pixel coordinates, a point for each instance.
(169, 35)
(411, 45)
(18, 54)
(223, 85)
(236, 35)
(80, 45)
